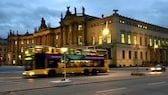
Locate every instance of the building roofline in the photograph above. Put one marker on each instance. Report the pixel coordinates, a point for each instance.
(143, 22)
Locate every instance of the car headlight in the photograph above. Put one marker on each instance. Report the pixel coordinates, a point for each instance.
(152, 68)
(158, 68)
(24, 73)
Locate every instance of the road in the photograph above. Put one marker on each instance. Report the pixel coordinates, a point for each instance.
(137, 86)
(117, 82)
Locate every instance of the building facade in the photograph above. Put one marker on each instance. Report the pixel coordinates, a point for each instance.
(129, 42)
(3, 51)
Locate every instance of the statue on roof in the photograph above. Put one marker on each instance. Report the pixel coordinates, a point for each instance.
(68, 13)
(43, 24)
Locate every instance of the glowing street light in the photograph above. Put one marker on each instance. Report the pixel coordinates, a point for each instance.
(64, 50)
(105, 32)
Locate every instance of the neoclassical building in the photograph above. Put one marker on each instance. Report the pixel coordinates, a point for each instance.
(129, 42)
(3, 51)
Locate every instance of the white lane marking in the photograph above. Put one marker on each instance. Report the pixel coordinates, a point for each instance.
(109, 90)
(157, 83)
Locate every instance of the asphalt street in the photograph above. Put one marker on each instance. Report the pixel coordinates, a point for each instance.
(14, 81)
(132, 86)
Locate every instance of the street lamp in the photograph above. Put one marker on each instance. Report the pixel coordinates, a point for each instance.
(105, 32)
(64, 50)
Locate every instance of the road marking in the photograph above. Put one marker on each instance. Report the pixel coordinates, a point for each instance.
(109, 90)
(157, 83)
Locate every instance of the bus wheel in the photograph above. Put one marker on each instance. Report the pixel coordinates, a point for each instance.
(94, 72)
(51, 73)
(86, 72)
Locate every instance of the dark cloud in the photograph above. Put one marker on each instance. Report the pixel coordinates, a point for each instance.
(22, 18)
(25, 15)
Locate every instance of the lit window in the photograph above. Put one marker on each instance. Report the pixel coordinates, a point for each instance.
(27, 41)
(56, 36)
(166, 42)
(163, 42)
(140, 40)
(22, 42)
(79, 40)
(100, 39)
(154, 41)
(22, 49)
(129, 39)
(32, 41)
(135, 39)
(145, 27)
(150, 41)
(93, 40)
(70, 29)
(15, 42)
(122, 21)
(109, 38)
(122, 38)
(140, 26)
(159, 43)
(80, 27)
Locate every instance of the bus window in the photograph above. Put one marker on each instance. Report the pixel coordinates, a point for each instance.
(101, 52)
(28, 65)
(78, 51)
(52, 63)
(40, 63)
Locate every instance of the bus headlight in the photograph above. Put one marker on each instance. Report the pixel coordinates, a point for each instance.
(31, 73)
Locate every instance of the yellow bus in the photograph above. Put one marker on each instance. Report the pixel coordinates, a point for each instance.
(49, 61)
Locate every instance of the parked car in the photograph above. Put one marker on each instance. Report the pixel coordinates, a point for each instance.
(158, 68)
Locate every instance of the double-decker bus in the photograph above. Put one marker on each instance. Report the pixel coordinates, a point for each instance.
(46, 60)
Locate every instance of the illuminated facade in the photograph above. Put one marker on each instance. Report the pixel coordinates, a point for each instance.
(3, 51)
(129, 42)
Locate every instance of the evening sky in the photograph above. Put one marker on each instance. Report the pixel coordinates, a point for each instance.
(24, 15)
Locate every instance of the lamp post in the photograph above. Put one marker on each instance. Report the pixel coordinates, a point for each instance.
(64, 52)
(136, 56)
(155, 47)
